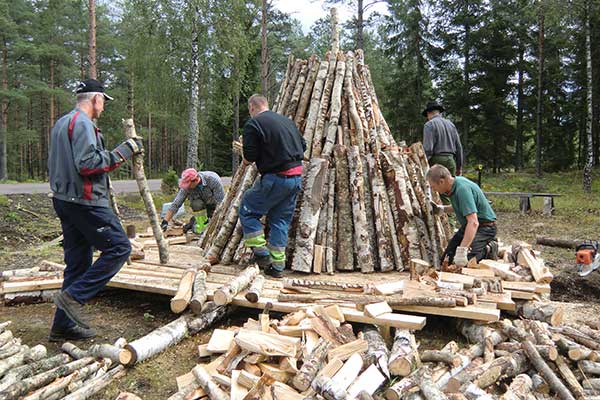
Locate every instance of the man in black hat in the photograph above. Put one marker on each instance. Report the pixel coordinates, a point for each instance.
(440, 140)
(78, 165)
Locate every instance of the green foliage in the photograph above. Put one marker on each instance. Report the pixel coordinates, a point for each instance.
(13, 217)
(170, 182)
(4, 201)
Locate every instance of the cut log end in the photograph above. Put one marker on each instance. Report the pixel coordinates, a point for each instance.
(127, 356)
(178, 305)
(252, 297)
(220, 298)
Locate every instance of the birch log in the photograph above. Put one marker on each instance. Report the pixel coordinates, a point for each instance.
(292, 105)
(61, 384)
(140, 178)
(232, 244)
(200, 293)
(377, 352)
(380, 214)
(557, 386)
(97, 384)
(309, 216)
(361, 231)
(307, 91)
(182, 298)
(155, 342)
(317, 143)
(209, 315)
(313, 111)
(336, 107)
(404, 357)
(226, 293)
(255, 289)
(26, 355)
(206, 382)
(311, 366)
(331, 225)
(25, 371)
(356, 134)
(345, 249)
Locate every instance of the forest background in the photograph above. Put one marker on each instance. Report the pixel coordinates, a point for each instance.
(519, 78)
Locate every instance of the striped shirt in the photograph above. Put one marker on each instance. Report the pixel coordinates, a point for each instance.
(210, 192)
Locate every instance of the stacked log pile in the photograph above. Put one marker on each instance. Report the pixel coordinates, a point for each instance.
(30, 373)
(365, 201)
(315, 354)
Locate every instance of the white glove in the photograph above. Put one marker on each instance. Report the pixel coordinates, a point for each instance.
(460, 258)
(237, 147)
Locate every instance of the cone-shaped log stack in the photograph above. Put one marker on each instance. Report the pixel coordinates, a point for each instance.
(365, 201)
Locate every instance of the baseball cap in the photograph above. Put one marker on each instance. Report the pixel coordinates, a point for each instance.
(92, 85)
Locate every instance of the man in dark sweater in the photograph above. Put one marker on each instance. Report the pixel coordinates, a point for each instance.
(274, 143)
(440, 140)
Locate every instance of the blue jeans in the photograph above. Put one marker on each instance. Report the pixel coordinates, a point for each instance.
(85, 228)
(274, 196)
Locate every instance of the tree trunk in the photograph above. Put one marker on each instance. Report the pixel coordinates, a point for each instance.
(361, 232)
(154, 342)
(309, 217)
(93, 73)
(557, 386)
(4, 116)
(429, 389)
(360, 24)
(315, 101)
(555, 242)
(345, 248)
(377, 353)
(264, 55)
(540, 92)
(305, 97)
(226, 293)
(509, 366)
(312, 365)
(28, 370)
(140, 177)
(235, 158)
(63, 383)
(255, 289)
(200, 293)
(192, 142)
(587, 171)
(335, 34)
(336, 107)
(182, 298)
(317, 142)
(540, 311)
(404, 357)
(520, 102)
(209, 315)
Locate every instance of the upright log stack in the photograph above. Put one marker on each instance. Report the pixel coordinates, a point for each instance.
(365, 200)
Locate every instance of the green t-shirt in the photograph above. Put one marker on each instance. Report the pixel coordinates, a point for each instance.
(467, 198)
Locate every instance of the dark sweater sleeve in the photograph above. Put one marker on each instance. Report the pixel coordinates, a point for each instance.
(251, 141)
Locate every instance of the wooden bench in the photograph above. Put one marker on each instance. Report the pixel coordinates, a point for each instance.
(525, 200)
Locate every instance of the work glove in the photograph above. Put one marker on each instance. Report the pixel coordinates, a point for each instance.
(164, 224)
(237, 147)
(129, 147)
(460, 258)
(136, 144)
(437, 208)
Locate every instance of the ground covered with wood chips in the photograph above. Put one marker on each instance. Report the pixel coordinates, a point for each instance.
(28, 224)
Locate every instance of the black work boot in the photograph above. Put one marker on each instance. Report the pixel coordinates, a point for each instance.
(273, 273)
(190, 225)
(263, 262)
(72, 308)
(74, 333)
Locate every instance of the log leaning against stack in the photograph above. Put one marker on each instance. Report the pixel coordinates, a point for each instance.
(363, 205)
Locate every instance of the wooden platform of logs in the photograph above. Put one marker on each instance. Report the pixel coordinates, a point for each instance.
(365, 201)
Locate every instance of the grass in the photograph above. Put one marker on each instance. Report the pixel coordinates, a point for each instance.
(4, 201)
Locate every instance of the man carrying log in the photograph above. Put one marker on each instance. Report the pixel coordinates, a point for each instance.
(477, 234)
(440, 140)
(274, 143)
(78, 164)
(205, 191)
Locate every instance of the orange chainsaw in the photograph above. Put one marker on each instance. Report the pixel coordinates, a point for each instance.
(588, 258)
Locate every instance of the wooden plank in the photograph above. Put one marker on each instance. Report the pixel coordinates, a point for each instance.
(220, 341)
(344, 351)
(468, 312)
(369, 381)
(203, 351)
(502, 300)
(516, 294)
(30, 286)
(527, 286)
(237, 391)
(456, 278)
(390, 287)
(376, 309)
(478, 273)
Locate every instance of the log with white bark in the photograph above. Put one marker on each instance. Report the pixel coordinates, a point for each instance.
(25, 371)
(291, 84)
(380, 214)
(356, 131)
(329, 389)
(377, 352)
(540, 365)
(226, 293)
(284, 83)
(10, 348)
(362, 239)
(311, 366)
(210, 314)
(26, 355)
(331, 225)
(309, 215)
(345, 249)
(592, 384)
(589, 367)
(199, 293)
(342, 297)
(26, 385)
(336, 105)
(207, 384)
(292, 105)
(317, 142)
(306, 95)
(232, 245)
(140, 178)
(298, 284)
(404, 357)
(402, 387)
(577, 336)
(5, 337)
(63, 383)
(569, 378)
(74, 351)
(230, 217)
(155, 342)
(428, 388)
(182, 298)
(255, 290)
(96, 384)
(509, 366)
(546, 312)
(447, 357)
(313, 111)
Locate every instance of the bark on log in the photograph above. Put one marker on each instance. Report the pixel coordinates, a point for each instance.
(311, 366)
(362, 240)
(5, 337)
(12, 348)
(336, 106)
(520, 388)
(317, 143)
(210, 314)
(377, 353)
(555, 242)
(539, 384)
(356, 131)
(306, 95)
(537, 310)
(577, 336)
(393, 300)
(295, 283)
(182, 298)
(569, 377)
(225, 294)
(256, 288)
(232, 244)
(292, 105)
(309, 216)
(97, 384)
(284, 84)
(447, 357)
(200, 293)
(207, 384)
(26, 385)
(509, 366)
(540, 273)
(26, 355)
(140, 178)
(331, 225)
(429, 389)
(313, 112)
(25, 371)
(401, 388)
(404, 357)
(589, 367)
(345, 248)
(155, 342)
(592, 384)
(329, 388)
(380, 215)
(295, 72)
(63, 383)
(74, 351)
(557, 386)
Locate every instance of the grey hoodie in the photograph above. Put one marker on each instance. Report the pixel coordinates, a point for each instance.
(78, 162)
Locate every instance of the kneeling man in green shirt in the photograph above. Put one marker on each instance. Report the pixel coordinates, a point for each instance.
(477, 234)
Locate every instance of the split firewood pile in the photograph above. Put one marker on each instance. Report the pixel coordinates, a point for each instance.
(315, 354)
(364, 204)
(30, 373)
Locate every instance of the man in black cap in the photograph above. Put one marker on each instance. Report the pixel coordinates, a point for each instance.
(78, 165)
(440, 140)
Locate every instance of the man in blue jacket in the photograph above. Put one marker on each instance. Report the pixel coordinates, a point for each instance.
(78, 165)
(275, 144)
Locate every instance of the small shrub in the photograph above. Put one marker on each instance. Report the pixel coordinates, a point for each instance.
(13, 217)
(3, 201)
(170, 182)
